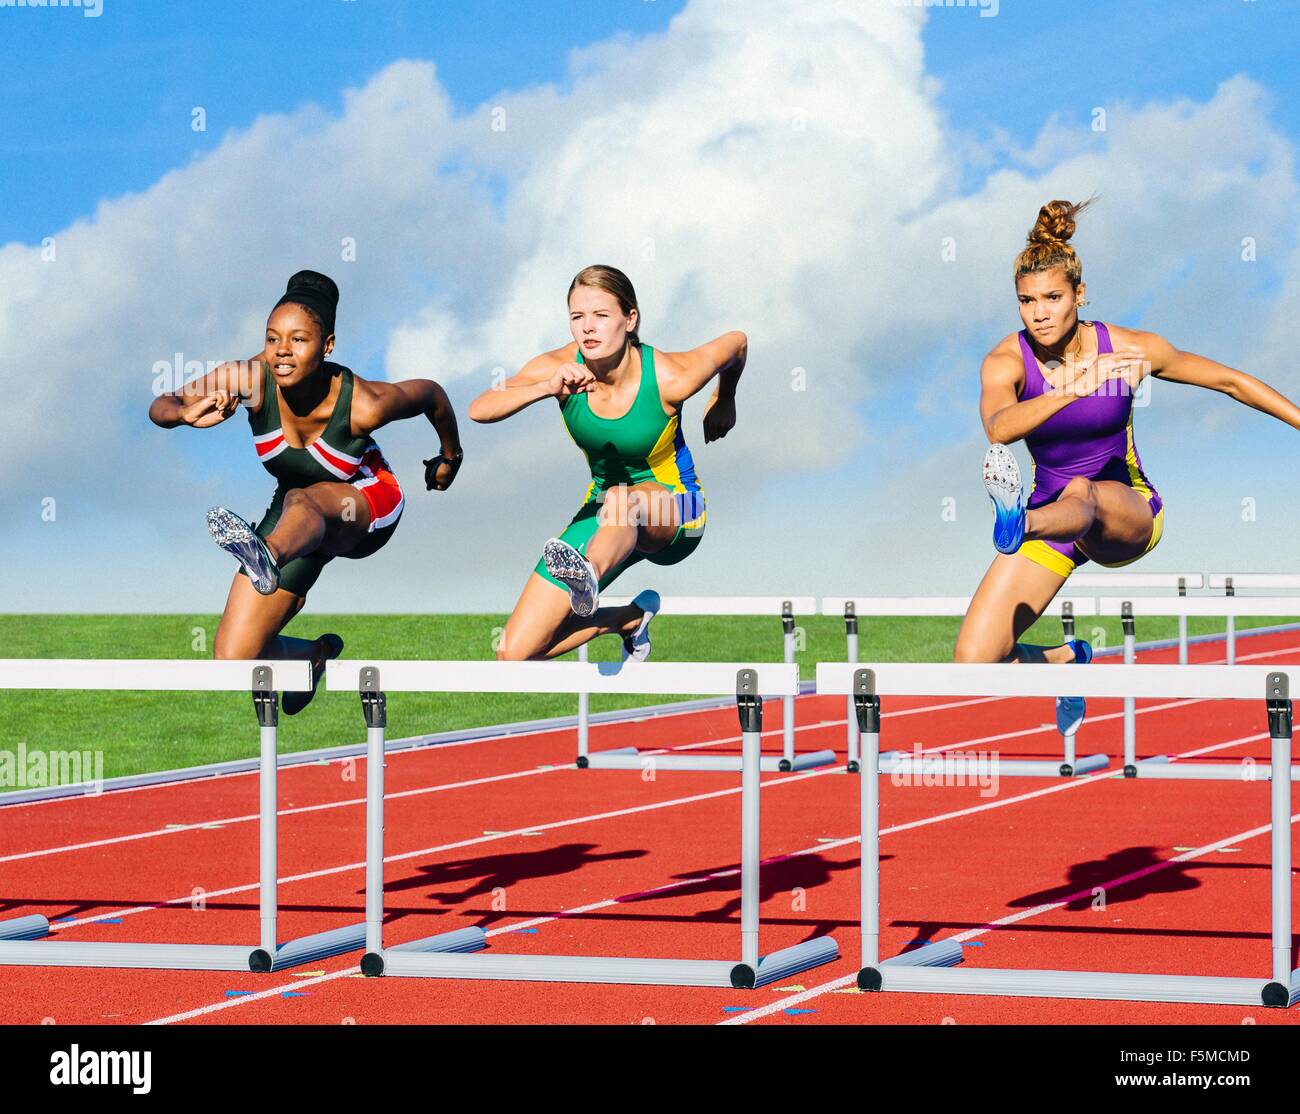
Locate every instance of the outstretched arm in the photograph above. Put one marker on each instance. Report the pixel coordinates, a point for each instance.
(546, 376)
(210, 399)
(1168, 362)
(689, 372)
(375, 405)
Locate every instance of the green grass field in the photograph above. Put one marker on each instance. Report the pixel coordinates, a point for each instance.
(140, 732)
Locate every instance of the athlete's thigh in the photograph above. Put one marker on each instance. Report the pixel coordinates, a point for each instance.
(1123, 526)
(659, 520)
(1013, 594)
(537, 616)
(251, 619)
(346, 513)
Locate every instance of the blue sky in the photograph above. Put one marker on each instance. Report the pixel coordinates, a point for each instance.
(957, 127)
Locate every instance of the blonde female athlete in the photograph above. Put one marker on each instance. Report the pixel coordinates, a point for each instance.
(335, 496)
(1065, 387)
(621, 402)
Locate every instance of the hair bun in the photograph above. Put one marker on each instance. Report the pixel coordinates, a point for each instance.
(1056, 222)
(319, 287)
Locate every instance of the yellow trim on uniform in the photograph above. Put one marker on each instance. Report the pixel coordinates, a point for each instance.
(1043, 554)
(1134, 470)
(662, 459)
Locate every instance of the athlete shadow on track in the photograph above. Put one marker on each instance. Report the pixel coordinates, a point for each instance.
(1127, 875)
(492, 872)
(778, 878)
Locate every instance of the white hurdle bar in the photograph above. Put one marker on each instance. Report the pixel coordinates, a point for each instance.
(1228, 583)
(918, 970)
(787, 608)
(1128, 610)
(22, 939)
(1125, 581)
(855, 607)
(446, 955)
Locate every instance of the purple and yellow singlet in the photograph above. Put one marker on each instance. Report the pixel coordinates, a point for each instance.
(1092, 437)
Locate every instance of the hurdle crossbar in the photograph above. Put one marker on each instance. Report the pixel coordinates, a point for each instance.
(1230, 582)
(1129, 610)
(854, 608)
(1181, 582)
(787, 608)
(23, 939)
(919, 970)
(449, 955)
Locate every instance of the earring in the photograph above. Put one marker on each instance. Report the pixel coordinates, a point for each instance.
(1083, 301)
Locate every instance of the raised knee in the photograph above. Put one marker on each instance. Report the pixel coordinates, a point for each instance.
(1080, 487)
(295, 497)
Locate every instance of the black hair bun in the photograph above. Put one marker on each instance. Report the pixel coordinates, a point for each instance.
(321, 288)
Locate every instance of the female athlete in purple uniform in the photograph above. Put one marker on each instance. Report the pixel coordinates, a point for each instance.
(1065, 387)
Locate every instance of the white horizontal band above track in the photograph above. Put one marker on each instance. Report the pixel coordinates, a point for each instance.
(677, 678)
(1219, 606)
(1215, 682)
(935, 605)
(1255, 580)
(724, 605)
(149, 675)
(1105, 581)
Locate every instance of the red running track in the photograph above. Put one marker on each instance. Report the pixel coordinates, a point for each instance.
(506, 834)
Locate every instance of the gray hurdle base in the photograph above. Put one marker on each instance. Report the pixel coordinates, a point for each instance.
(899, 762)
(23, 940)
(920, 971)
(450, 954)
(630, 758)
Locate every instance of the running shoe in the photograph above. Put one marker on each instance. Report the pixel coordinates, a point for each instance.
(242, 542)
(574, 571)
(1070, 710)
(330, 647)
(1002, 482)
(636, 646)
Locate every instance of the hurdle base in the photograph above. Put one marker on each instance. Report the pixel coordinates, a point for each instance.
(307, 949)
(941, 953)
(956, 765)
(174, 957)
(403, 961)
(34, 927)
(462, 940)
(1096, 985)
(630, 758)
(1131, 769)
(1209, 771)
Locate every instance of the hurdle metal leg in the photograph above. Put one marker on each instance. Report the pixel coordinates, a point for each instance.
(872, 974)
(851, 636)
(446, 955)
(22, 940)
(787, 704)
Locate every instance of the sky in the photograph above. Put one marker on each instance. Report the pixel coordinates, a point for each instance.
(847, 181)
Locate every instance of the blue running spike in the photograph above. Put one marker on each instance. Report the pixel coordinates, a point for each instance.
(1002, 482)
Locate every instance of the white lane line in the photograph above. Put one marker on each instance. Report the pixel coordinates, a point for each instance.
(678, 884)
(1014, 918)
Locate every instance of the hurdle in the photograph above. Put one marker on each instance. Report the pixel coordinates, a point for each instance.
(855, 607)
(450, 954)
(922, 970)
(1159, 765)
(1125, 581)
(630, 758)
(1228, 583)
(22, 939)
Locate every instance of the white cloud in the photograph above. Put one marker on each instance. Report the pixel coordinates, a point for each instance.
(778, 168)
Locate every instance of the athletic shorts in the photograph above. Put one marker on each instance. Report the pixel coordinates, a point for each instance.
(690, 512)
(382, 493)
(1063, 558)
